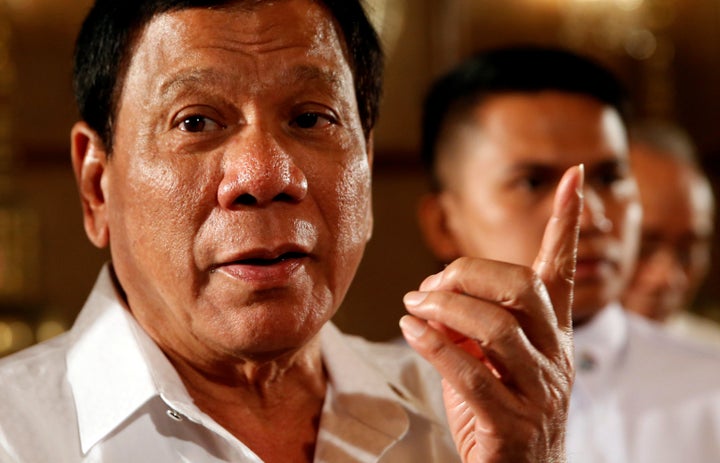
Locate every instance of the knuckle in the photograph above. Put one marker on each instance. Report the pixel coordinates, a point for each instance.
(436, 301)
(528, 287)
(457, 268)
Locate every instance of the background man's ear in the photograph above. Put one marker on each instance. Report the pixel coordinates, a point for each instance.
(89, 160)
(433, 221)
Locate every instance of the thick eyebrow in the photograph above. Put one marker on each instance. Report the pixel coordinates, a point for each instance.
(292, 77)
(307, 73)
(550, 170)
(613, 163)
(191, 78)
(546, 169)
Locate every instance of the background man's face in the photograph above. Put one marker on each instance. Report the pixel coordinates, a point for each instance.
(238, 191)
(501, 168)
(677, 231)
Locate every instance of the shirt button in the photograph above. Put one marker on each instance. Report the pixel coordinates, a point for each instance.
(174, 414)
(586, 362)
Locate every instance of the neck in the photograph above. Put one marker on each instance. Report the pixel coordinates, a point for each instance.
(253, 398)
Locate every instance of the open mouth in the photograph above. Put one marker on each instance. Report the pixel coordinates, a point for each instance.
(265, 262)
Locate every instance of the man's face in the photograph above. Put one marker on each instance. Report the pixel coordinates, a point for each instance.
(501, 166)
(677, 229)
(238, 190)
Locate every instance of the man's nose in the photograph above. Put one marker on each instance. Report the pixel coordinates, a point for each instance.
(258, 172)
(594, 217)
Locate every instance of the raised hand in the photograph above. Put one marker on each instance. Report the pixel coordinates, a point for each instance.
(501, 337)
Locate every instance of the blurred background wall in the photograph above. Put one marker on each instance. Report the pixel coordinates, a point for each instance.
(666, 51)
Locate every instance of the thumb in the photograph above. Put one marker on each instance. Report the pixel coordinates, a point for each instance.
(555, 263)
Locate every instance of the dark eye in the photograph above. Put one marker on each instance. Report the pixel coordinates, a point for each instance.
(533, 183)
(649, 247)
(609, 177)
(537, 180)
(610, 173)
(311, 120)
(198, 124)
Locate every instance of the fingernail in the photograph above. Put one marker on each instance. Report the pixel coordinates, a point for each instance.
(414, 298)
(412, 327)
(431, 282)
(581, 183)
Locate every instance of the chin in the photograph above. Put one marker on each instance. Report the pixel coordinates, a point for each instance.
(269, 335)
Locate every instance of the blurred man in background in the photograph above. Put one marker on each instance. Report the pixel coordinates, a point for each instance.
(498, 131)
(677, 230)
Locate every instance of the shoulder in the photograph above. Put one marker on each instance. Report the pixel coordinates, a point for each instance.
(684, 368)
(647, 336)
(37, 367)
(36, 400)
(34, 378)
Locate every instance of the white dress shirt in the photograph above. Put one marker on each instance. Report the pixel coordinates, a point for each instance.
(104, 392)
(642, 395)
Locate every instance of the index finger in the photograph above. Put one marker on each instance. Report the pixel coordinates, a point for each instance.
(555, 263)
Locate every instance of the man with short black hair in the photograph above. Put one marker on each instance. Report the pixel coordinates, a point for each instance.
(499, 131)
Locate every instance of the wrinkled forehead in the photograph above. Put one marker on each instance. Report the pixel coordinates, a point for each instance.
(251, 27)
(262, 20)
(273, 45)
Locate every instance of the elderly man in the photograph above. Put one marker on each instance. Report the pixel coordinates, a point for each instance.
(677, 230)
(499, 132)
(224, 157)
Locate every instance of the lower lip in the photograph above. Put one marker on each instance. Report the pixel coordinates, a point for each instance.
(264, 276)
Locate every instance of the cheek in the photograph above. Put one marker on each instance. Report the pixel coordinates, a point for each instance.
(501, 230)
(353, 207)
(156, 204)
(345, 209)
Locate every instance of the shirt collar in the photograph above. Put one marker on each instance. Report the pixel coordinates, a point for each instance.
(114, 367)
(368, 403)
(352, 374)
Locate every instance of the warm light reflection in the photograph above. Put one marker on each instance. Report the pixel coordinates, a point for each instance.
(48, 329)
(19, 223)
(631, 26)
(635, 28)
(15, 335)
(388, 17)
(629, 5)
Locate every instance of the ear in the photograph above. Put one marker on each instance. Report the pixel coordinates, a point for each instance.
(371, 156)
(433, 220)
(89, 160)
